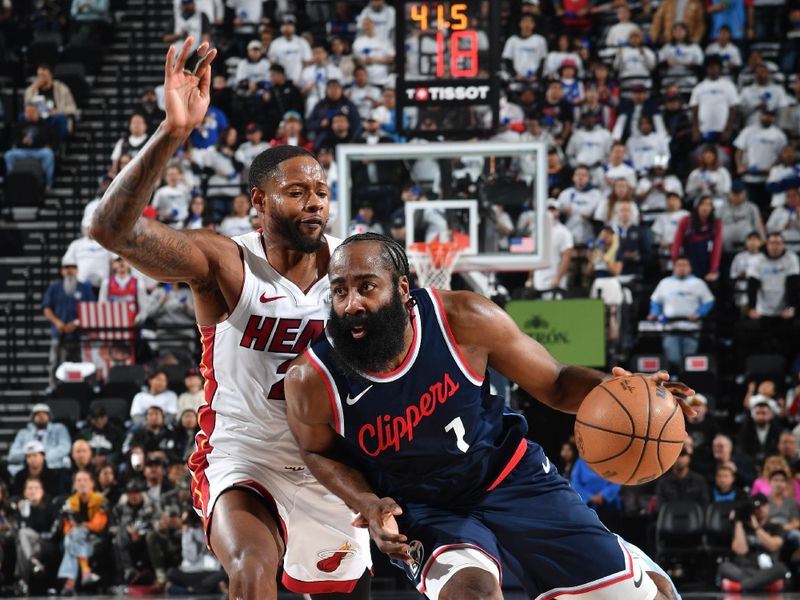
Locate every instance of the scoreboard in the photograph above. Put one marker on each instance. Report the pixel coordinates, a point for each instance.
(448, 63)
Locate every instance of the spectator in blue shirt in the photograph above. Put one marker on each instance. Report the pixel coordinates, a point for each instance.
(601, 495)
(60, 307)
(53, 436)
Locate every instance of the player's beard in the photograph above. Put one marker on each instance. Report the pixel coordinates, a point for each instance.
(290, 232)
(383, 340)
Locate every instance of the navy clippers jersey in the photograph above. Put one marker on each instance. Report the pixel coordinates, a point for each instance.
(430, 430)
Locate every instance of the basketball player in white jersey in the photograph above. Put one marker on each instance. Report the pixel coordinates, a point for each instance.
(259, 300)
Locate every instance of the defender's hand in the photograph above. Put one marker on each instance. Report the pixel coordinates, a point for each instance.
(186, 93)
(681, 391)
(379, 518)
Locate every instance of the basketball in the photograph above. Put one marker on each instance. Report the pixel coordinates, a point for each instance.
(629, 430)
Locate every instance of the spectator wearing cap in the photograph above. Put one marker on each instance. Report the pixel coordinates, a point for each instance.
(334, 102)
(699, 239)
(756, 545)
(315, 77)
(362, 93)
(783, 176)
(681, 297)
(189, 22)
(134, 516)
(786, 219)
(739, 218)
(523, 54)
(35, 467)
(374, 53)
(758, 435)
(157, 394)
(194, 396)
(561, 250)
(103, 435)
(655, 185)
(289, 50)
(252, 73)
(157, 484)
(631, 110)
(590, 143)
(254, 146)
(691, 13)
(60, 307)
(53, 98)
(292, 128)
(714, 103)
(758, 148)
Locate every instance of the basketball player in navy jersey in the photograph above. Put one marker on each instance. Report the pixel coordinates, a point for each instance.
(393, 413)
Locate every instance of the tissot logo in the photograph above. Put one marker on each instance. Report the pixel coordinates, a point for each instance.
(448, 92)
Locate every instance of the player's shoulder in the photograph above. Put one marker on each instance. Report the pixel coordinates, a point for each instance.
(467, 311)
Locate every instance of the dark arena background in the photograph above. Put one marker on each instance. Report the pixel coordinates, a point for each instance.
(621, 177)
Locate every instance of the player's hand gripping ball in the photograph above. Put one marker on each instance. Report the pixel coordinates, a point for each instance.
(630, 429)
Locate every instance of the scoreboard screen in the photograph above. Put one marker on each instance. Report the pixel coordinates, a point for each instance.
(448, 61)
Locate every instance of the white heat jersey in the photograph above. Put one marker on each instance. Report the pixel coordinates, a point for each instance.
(244, 440)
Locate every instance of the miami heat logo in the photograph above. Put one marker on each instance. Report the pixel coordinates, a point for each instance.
(330, 560)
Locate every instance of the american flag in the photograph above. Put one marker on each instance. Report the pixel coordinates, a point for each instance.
(95, 316)
(520, 245)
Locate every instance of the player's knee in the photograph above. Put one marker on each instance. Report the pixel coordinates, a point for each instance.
(252, 575)
(471, 584)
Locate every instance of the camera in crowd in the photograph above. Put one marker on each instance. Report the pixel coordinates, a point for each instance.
(746, 507)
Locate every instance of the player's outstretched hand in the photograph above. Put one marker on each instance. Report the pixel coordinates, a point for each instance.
(681, 391)
(186, 93)
(379, 518)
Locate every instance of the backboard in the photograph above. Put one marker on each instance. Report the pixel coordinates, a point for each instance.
(494, 184)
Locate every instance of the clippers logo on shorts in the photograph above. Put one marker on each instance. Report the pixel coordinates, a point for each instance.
(388, 431)
(431, 429)
(330, 560)
(417, 553)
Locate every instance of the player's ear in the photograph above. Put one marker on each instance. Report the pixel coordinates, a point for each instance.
(257, 198)
(404, 288)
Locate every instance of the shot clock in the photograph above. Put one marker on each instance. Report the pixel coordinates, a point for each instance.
(448, 60)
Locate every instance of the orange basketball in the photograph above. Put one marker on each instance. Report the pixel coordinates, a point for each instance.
(629, 430)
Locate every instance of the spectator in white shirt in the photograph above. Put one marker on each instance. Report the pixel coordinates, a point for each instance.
(782, 176)
(238, 222)
(252, 73)
(189, 22)
(199, 215)
(131, 144)
(254, 146)
(652, 189)
(758, 148)
(713, 103)
(643, 147)
(773, 284)
(607, 210)
(171, 200)
(786, 220)
(666, 224)
(614, 169)
(316, 76)
(742, 264)
(681, 297)
(590, 143)
(523, 54)
(373, 52)
(681, 59)
(290, 51)
(157, 394)
(710, 178)
(578, 204)
(563, 52)
(362, 93)
(761, 94)
(93, 261)
(728, 52)
(382, 16)
(619, 33)
(561, 245)
(635, 62)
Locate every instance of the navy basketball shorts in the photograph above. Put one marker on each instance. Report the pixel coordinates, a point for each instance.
(534, 524)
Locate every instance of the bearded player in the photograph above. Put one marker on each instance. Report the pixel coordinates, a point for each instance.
(392, 411)
(259, 299)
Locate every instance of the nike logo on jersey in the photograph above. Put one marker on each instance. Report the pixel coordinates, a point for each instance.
(352, 400)
(266, 299)
(546, 465)
(638, 582)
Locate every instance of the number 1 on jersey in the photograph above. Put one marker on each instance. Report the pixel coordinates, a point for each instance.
(457, 427)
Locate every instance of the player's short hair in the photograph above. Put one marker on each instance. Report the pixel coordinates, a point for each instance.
(266, 164)
(393, 253)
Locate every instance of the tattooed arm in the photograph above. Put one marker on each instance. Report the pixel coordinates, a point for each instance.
(156, 249)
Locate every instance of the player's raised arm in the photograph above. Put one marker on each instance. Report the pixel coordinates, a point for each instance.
(308, 411)
(159, 251)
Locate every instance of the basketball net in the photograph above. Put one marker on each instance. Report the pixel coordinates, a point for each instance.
(433, 262)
